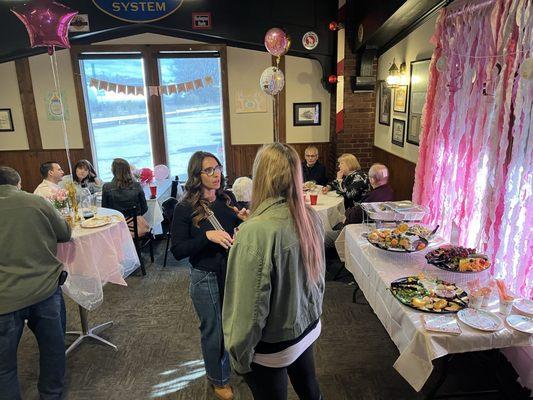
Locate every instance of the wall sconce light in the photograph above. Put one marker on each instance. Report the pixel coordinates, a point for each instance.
(335, 26)
(397, 76)
(332, 79)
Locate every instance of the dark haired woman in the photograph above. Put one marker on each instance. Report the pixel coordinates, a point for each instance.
(85, 176)
(202, 229)
(123, 193)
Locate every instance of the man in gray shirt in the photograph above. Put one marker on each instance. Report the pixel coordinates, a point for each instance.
(30, 278)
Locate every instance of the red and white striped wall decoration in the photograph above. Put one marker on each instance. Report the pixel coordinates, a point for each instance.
(339, 120)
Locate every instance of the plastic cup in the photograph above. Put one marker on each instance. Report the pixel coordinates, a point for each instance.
(475, 300)
(313, 198)
(153, 191)
(506, 306)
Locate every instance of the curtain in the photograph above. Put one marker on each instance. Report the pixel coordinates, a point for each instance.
(474, 171)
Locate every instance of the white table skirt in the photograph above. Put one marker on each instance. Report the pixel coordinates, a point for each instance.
(374, 270)
(96, 256)
(330, 208)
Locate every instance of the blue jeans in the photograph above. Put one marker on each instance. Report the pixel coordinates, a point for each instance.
(47, 321)
(204, 293)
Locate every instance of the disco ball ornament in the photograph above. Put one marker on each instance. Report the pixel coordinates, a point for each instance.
(272, 81)
(441, 64)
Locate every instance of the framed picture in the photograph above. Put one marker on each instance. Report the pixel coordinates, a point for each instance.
(384, 103)
(305, 114)
(398, 131)
(400, 99)
(6, 120)
(417, 98)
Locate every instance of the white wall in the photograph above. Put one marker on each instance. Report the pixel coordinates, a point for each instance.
(304, 86)
(415, 46)
(10, 98)
(43, 86)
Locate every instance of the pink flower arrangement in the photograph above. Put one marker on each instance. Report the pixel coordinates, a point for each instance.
(59, 198)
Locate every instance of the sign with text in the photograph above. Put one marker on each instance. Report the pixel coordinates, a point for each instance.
(201, 20)
(138, 11)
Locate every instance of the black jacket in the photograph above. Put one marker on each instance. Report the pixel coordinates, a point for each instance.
(124, 198)
(315, 173)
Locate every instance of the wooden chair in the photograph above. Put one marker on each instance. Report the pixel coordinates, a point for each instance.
(140, 242)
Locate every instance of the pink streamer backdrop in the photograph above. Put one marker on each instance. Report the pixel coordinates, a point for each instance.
(475, 166)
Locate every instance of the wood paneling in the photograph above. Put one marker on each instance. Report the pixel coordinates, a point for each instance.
(27, 163)
(28, 104)
(401, 171)
(244, 156)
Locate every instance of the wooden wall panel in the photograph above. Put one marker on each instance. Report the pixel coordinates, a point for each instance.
(244, 155)
(27, 163)
(402, 173)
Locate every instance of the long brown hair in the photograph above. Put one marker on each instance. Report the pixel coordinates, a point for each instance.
(193, 187)
(277, 172)
(122, 177)
(84, 164)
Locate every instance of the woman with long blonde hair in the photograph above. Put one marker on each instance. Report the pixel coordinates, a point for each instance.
(275, 282)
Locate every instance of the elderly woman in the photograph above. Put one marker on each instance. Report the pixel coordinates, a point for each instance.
(351, 182)
(242, 189)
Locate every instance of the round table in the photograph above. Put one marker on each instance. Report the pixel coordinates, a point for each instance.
(92, 258)
(330, 208)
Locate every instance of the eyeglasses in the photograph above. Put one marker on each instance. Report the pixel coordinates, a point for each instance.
(211, 170)
(311, 155)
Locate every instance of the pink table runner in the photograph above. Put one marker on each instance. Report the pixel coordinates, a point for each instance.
(96, 256)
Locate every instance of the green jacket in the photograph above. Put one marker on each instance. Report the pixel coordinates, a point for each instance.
(267, 297)
(29, 233)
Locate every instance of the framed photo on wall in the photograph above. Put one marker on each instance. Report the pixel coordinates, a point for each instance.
(400, 99)
(6, 120)
(305, 114)
(398, 131)
(384, 103)
(417, 97)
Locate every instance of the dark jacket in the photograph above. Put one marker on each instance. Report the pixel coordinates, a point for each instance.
(354, 215)
(353, 187)
(124, 198)
(315, 173)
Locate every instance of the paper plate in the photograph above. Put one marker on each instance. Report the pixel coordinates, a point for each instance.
(96, 222)
(525, 306)
(521, 323)
(480, 319)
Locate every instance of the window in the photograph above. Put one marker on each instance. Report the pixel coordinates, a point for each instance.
(131, 117)
(192, 117)
(118, 121)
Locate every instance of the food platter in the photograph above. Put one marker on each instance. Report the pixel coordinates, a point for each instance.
(521, 323)
(401, 239)
(96, 222)
(394, 211)
(458, 259)
(429, 295)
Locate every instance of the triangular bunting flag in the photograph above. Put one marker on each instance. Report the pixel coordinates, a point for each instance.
(198, 83)
(181, 87)
(208, 80)
(189, 86)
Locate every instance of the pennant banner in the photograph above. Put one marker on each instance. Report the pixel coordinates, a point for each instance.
(174, 88)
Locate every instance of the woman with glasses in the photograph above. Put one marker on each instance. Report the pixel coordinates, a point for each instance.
(275, 282)
(202, 229)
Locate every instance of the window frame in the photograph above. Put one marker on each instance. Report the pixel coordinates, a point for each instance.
(150, 55)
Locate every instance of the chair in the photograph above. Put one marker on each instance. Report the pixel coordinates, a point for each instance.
(140, 242)
(168, 207)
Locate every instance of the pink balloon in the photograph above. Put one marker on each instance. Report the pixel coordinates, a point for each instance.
(47, 23)
(277, 42)
(161, 172)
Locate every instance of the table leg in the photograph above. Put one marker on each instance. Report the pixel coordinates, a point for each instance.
(87, 332)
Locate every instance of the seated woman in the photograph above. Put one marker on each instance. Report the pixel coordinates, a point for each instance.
(351, 182)
(242, 190)
(85, 176)
(123, 193)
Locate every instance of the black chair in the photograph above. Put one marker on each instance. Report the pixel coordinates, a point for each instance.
(168, 207)
(140, 242)
(175, 185)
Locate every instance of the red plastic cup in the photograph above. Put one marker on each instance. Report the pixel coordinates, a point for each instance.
(153, 191)
(313, 198)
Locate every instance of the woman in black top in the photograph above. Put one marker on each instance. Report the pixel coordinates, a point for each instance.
(351, 182)
(202, 229)
(123, 193)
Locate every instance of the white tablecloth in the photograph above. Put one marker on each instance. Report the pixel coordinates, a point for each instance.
(330, 207)
(374, 270)
(154, 215)
(96, 256)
